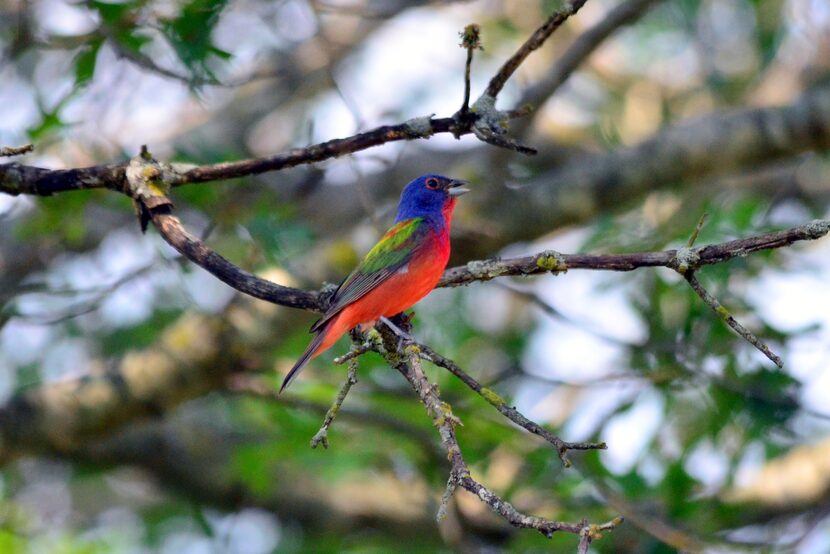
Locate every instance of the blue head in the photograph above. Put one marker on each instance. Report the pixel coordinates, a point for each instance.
(431, 197)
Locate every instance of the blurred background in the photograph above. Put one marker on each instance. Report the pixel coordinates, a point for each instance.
(710, 447)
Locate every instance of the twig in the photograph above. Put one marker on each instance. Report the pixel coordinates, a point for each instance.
(555, 262)
(444, 505)
(258, 387)
(729, 319)
(354, 352)
(591, 532)
(470, 40)
(687, 269)
(511, 413)
(408, 362)
(696, 232)
(351, 378)
(487, 135)
(535, 41)
(9, 151)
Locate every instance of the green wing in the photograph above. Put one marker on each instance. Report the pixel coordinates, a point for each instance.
(392, 252)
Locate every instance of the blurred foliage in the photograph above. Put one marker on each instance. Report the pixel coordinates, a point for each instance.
(83, 288)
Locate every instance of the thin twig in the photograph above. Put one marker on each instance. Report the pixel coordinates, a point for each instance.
(254, 386)
(8, 151)
(535, 41)
(696, 232)
(444, 505)
(487, 135)
(729, 319)
(591, 532)
(322, 435)
(354, 352)
(511, 413)
(471, 41)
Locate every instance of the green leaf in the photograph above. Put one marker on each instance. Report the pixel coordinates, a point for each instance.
(190, 35)
(131, 40)
(50, 118)
(85, 62)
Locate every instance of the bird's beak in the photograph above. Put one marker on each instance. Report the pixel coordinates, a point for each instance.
(456, 187)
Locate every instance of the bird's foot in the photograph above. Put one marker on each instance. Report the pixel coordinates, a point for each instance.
(404, 321)
(402, 335)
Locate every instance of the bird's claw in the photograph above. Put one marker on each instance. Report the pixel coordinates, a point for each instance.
(402, 335)
(404, 321)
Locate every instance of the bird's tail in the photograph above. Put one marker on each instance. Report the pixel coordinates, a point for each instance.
(325, 335)
(309, 353)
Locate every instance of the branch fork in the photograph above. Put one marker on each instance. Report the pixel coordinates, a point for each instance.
(686, 262)
(148, 183)
(406, 358)
(321, 437)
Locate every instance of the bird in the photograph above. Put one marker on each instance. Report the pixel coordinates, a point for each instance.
(403, 267)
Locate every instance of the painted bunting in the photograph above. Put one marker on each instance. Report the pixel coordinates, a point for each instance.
(401, 269)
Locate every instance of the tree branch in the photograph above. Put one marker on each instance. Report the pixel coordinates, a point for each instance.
(147, 190)
(536, 40)
(20, 179)
(407, 360)
(172, 230)
(554, 262)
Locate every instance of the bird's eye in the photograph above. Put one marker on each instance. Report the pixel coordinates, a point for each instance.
(432, 183)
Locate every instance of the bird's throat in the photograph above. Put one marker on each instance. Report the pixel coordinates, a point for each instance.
(446, 211)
